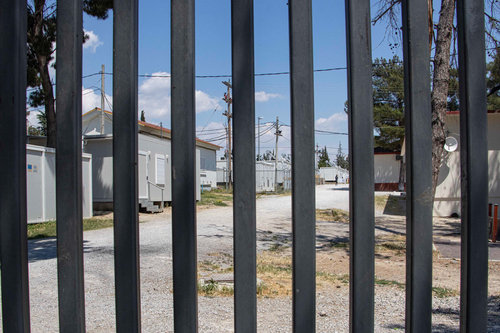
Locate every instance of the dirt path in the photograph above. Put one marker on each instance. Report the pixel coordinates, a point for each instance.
(274, 241)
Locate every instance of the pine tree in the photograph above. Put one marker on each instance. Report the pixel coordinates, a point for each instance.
(324, 159)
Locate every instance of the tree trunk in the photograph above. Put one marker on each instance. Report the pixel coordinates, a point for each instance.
(43, 69)
(49, 102)
(440, 86)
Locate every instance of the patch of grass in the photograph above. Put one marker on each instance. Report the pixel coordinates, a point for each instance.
(216, 198)
(206, 265)
(391, 204)
(337, 215)
(340, 245)
(49, 229)
(444, 292)
(384, 282)
(280, 192)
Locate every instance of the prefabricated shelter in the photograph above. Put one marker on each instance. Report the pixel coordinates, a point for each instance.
(41, 184)
(447, 200)
(448, 192)
(387, 165)
(154, 160)
(329, 173)
(265, 173)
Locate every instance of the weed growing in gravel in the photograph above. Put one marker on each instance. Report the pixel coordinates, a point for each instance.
(340, 245)
(212, 288)
(276, 247)
(444, 292)
(336, 215)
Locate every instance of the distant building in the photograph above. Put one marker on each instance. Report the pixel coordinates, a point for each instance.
(154, 158)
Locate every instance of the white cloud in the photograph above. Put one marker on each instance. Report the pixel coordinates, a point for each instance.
(330, 123)
(92, 42)
(204, 102)
(262, 96)
(91, 98)
(154, 95)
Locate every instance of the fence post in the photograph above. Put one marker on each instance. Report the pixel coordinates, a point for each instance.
(183, 166)
(419, 166)
(474, 166)
(303, 185)
(361, 197)
(125, 158)
(69, 166)
(245, 270)
(13, 209)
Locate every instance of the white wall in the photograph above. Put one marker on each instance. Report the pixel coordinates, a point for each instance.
(41, 184)
(386, 168)
(329, 173)
(448, 192)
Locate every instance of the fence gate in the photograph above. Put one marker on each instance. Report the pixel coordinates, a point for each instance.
(13, 228)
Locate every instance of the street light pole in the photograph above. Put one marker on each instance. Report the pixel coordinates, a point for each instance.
(258, 121)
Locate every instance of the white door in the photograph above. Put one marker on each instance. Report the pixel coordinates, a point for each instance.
(143, 175)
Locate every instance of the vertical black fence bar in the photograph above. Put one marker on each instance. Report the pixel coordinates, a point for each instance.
(361, 197)
(245, 270)
(125, 150)
(474, 166)
(303, 183)
(183, 167)
(69, 166)
(418, 166)
(13, 211)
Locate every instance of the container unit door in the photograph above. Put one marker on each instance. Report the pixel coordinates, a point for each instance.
(143, 175)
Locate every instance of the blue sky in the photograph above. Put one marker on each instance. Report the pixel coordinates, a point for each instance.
(213, 57)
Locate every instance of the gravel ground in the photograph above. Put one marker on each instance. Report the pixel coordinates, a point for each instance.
(215, 314)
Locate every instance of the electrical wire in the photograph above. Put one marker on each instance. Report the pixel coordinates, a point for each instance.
(222, 75)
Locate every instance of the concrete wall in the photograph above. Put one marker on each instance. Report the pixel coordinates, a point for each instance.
(448, 193)
(41, 184)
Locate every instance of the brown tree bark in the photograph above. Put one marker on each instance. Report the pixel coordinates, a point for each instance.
(439, 99)
(43, 68)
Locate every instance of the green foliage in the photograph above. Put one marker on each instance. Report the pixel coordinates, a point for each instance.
(97, 8)
(42, 121)
(324, 159)
(388, 103)
(342, 159)
(41, 38)
(493, 82)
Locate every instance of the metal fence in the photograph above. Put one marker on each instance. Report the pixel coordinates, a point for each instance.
(14, 260)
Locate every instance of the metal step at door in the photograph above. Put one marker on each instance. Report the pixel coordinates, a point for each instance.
(146, 206)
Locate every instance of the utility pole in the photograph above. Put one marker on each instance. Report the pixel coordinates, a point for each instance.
(102, 99)
(258, 121)
(317, 156)
(277, 133)
(227, 98)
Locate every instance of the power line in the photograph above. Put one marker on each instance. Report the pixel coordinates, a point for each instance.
(222, 75)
